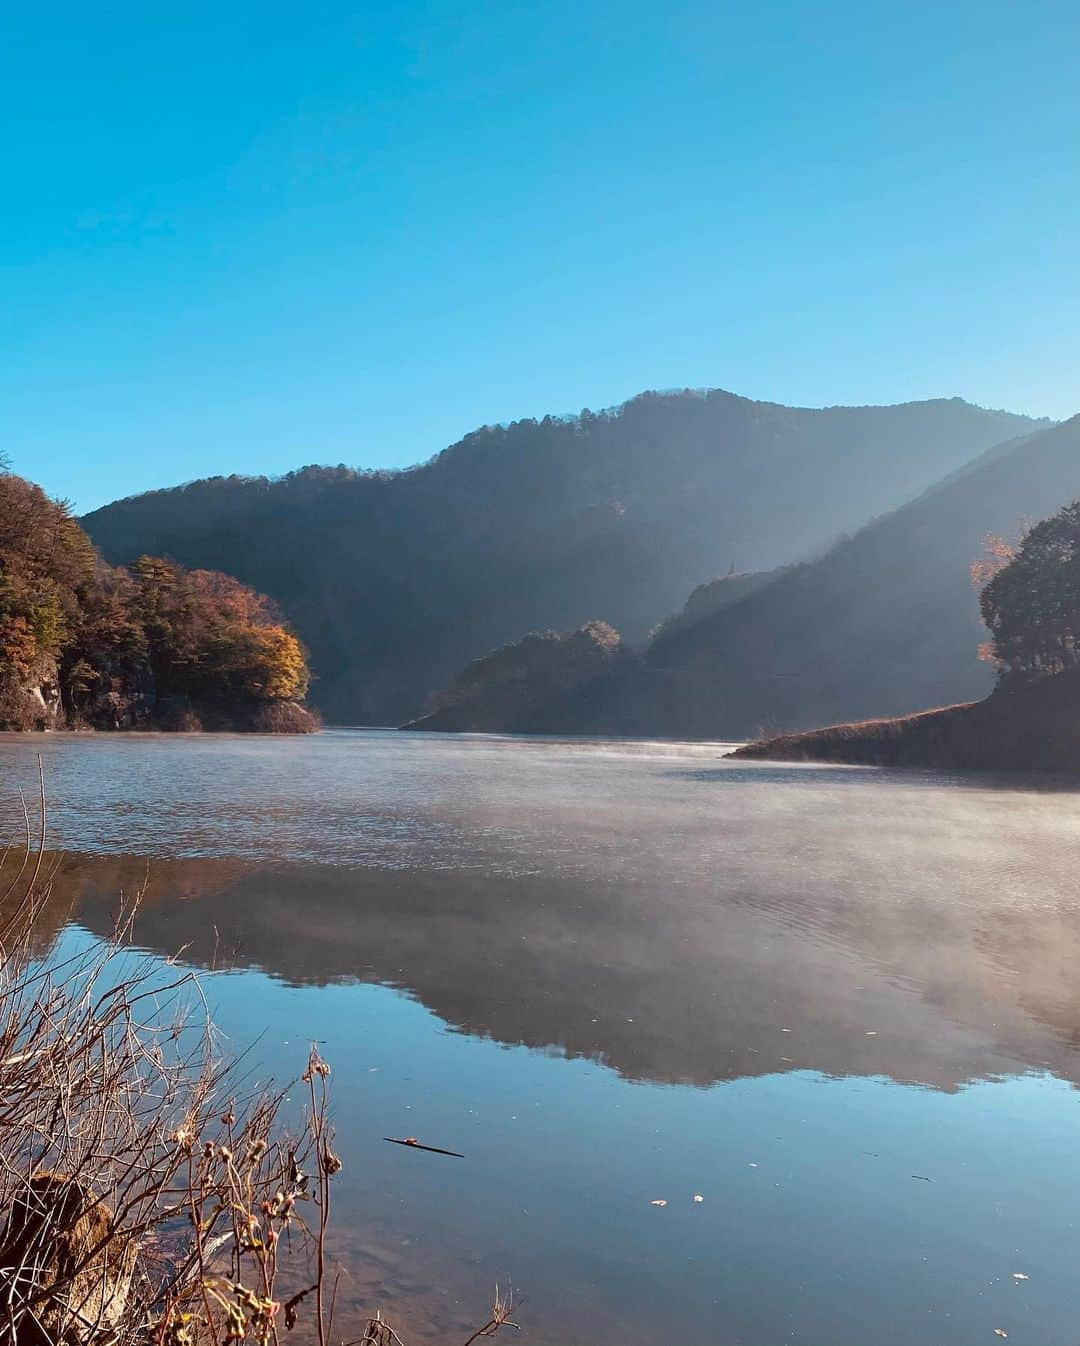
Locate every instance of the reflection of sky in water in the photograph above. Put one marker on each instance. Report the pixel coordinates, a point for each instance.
(650, 907)
(829, 1233)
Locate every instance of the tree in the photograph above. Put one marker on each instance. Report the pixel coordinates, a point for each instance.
(257, 663)
(1032, 605)
(46, 561)
(237, 601)
(18, 648)
(141, 644)
(212, 639)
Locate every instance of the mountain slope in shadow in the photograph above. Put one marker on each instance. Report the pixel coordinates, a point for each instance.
(885, 623)
(396, 580)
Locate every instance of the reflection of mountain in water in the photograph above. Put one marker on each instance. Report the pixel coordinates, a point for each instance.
(685, 984)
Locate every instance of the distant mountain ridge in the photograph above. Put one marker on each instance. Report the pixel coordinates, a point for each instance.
(885, 623)
(397, 580)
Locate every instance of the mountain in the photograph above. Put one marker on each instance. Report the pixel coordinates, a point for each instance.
(576, 681)
(396, 580)
(710, 597)
(516, 686)
(885, 623)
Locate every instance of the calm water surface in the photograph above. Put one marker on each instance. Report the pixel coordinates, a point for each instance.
(840, 1005)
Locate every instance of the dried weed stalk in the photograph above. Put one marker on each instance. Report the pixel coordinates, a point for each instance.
(147, 1200)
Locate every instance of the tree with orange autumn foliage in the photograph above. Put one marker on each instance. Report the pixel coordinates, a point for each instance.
(146, 644)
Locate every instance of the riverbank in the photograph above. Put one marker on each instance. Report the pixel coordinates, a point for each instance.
(267, 717)
(1030, 728)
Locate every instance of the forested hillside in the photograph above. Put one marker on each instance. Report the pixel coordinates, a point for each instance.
(885, 623)
(518, 685)
(396, 580)
(85, 644)
(1030, 602)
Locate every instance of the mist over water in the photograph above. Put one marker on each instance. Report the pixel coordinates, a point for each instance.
(614, 972)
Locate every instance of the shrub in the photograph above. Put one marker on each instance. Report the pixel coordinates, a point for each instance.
(145, 1204)
(284, 717)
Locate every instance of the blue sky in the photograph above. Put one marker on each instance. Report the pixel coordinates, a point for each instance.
(248, 236)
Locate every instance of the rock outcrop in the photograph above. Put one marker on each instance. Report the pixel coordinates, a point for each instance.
(65, 1268)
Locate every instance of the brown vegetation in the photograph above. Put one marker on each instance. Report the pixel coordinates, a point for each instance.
(1029, 728)
(148, 645)
(146, 1203)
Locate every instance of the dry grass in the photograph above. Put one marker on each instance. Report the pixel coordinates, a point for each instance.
(836, 741)
(149, 1200)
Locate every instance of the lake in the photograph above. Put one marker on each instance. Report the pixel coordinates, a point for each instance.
(840, 1005)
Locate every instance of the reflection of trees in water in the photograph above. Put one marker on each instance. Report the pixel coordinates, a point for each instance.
(673, 986)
